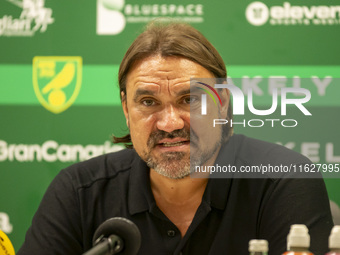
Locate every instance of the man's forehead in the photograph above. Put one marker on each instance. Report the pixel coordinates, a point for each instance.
(165, 67)
(181, 88)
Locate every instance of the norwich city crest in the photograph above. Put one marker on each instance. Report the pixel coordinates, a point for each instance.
(57, 81)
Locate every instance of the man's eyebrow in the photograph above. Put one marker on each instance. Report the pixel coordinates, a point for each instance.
(183, 92)
(142, 92)
(194, 89)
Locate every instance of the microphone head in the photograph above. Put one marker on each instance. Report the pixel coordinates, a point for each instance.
(123, 228)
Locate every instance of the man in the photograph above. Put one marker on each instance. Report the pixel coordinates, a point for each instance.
(150, 183)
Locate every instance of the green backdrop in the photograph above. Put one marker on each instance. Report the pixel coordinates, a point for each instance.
(46, 125)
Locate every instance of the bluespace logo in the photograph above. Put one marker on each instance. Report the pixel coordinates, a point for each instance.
(114, 15)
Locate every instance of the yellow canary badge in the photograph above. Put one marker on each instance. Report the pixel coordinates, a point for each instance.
(57, 81)
(6, 247)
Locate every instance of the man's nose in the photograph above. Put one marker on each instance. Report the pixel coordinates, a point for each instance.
(170, 119)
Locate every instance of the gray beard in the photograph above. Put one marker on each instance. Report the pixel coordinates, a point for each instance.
(174, 165)
(178, 165)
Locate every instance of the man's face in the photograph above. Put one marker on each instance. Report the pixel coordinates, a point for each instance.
(157, 111)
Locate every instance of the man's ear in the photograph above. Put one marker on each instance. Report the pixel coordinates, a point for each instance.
(125, 108)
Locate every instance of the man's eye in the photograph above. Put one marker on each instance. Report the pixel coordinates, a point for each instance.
(190, 99)
(148, 102)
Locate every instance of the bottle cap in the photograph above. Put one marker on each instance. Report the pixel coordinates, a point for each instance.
(298, 236)
(334, 238)
(257, 245)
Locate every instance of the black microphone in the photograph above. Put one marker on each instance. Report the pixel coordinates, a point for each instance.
(116, 236)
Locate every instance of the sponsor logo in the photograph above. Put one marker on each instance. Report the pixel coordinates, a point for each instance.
(258, 14)
(6, 246)
(51, 151)
(5, 224)
(113, 15)
(57, 81)
(34, 17)
(316, 151)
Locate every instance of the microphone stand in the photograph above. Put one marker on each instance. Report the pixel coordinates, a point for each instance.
(107, 246)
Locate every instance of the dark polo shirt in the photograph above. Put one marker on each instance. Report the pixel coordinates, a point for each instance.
(233, 210)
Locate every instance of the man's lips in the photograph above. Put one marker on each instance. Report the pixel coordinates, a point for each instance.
(173, 142)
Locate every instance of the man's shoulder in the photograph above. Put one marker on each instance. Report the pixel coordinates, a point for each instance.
(261, 159)
(104, 167)
(253, 150)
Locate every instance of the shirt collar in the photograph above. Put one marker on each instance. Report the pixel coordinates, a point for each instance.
(216, 194)
(217, 191)
(140, 195)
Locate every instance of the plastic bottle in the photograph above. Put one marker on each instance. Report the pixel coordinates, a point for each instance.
(334, 241)
(258, 247)
(298, 240)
